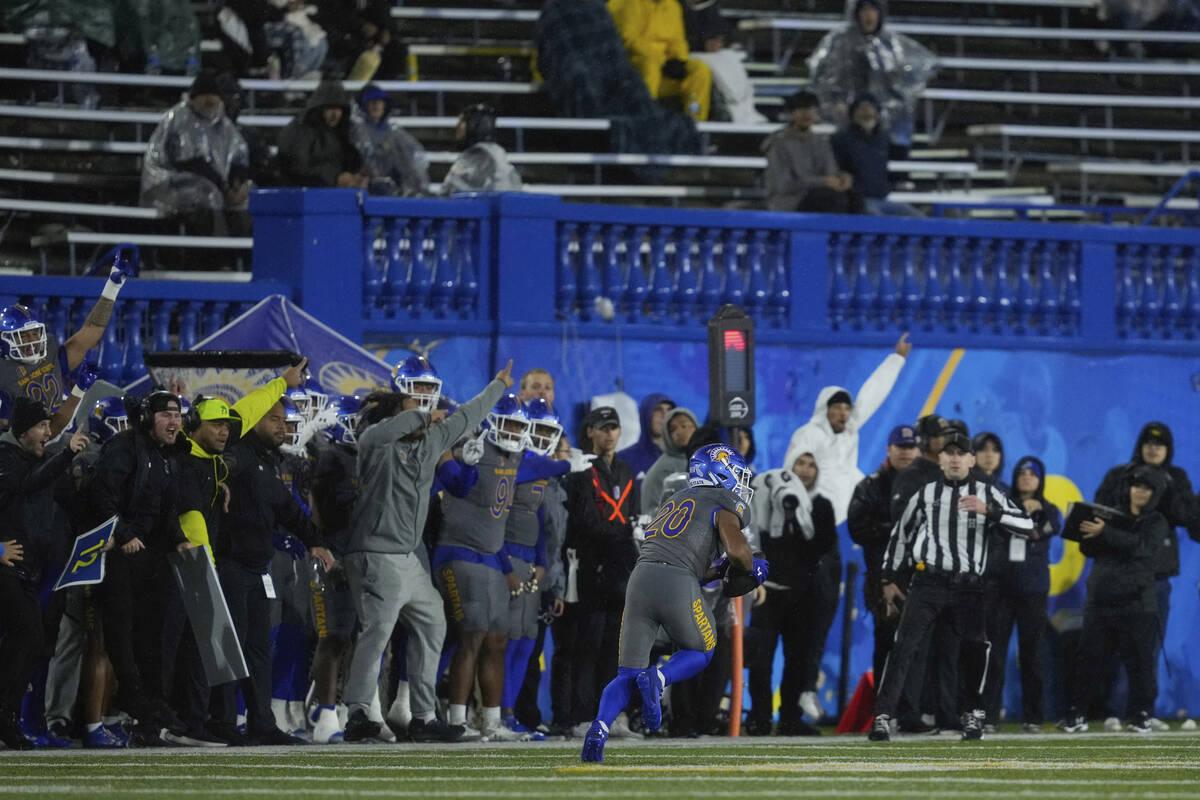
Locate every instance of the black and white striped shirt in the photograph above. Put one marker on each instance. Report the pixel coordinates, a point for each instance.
(934, 531)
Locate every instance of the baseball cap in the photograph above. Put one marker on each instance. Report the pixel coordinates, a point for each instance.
(903, 436)
(602, 417)
(930, 425)
(956, 438)
(214, 409)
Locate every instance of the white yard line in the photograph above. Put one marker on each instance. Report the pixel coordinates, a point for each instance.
(890, 792)
(607, 773)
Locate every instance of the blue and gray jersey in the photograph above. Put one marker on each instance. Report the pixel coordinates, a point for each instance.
(44, 381)
(478, 520)
(523, 527)
(684, 531)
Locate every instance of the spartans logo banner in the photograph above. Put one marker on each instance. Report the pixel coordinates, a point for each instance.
(86, 564)
(337, 366)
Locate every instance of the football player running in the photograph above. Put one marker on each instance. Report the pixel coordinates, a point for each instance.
(691, 528)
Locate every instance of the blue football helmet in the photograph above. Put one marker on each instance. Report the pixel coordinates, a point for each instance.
(447, 404)
(720, 465)
(416, 377)
(544, 428)
(107, 419)
(345, 410)
(507, 424)
(22, 335)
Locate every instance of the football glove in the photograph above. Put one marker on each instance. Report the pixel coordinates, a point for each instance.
(580, 461)
(472, 451)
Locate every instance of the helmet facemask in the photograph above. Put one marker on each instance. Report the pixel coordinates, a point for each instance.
(27, 343)
(543, 436)
(507, 431)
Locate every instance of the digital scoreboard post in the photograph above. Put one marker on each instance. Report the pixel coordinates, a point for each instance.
(731, 367)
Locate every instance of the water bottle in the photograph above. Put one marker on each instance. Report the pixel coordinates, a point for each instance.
(153, 62)
(192, 67)
(274, 67)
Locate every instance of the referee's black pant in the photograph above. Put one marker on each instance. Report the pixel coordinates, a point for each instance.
(932, 597)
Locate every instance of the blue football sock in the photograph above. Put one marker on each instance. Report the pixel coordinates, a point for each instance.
(516, 659)
(289, 662)
(684, 664)
(615, 696)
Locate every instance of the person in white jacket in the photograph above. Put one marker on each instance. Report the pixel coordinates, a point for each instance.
(832, 433)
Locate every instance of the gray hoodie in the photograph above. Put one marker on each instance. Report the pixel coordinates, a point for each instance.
(673, 459)
(395, 474)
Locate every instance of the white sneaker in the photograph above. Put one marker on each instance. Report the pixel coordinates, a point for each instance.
(501, 733)
(326, 728)
(279, 710)
(620, 729)
(1158, 725)
(810, 706)
(1112, 724)
(470, 734)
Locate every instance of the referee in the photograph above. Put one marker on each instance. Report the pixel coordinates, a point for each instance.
(943, 535)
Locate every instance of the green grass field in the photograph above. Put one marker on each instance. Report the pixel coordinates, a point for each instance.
(1102, 765)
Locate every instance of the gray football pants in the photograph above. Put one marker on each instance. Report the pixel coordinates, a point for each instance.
(388, 587)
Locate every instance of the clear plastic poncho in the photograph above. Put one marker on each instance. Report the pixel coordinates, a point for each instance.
(396, 161)
(482, 167)
(891, 66)
(189, 160)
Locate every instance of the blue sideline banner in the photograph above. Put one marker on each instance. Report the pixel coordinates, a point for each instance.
(86, 564)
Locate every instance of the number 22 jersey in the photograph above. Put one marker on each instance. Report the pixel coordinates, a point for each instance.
(684, 531)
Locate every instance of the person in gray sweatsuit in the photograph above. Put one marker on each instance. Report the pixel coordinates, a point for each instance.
(385, 560)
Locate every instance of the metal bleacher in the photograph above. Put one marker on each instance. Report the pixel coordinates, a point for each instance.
(1028, 73)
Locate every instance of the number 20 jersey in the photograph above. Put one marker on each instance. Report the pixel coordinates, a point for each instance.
(684, 531)
(477, 521)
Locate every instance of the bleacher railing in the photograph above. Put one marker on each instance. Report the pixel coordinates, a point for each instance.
(386, 270)
(519, 264)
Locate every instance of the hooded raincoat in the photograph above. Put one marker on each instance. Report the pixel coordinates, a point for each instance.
(837, 453)
(395, 160)
(673, 459)
(191, 161)
(642, 455)
(891, 66)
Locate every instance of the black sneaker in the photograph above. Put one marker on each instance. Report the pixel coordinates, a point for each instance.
(1139, 724)
(881, 729)
(359, 727)
(225, 732)
(1074, 724)
(194, 737)
(433, 731)
(274, 736)
(11, 735)
(972, 725)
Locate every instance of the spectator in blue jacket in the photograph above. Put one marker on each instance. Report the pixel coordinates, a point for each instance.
(861, 149)
(641, 455)
(1016, 590)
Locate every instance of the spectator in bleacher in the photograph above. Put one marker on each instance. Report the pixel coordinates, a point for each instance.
(395, 160)
(196, 165)
(802, 174)
(586, 73)
(315, 148)
(483, 165)
(861, 149)
(363, 39)
(864, 57)
(707, 34)
(652, 31)
(302, 41)
(241, 29)
(262, 167)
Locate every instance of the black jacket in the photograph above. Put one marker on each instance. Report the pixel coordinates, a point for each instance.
(310, 152)
(869, 518)
(1031, 576)
(906, 483)
(27, 506)
(601, 535)
(1178, 503)
(334, 487)
(1122, 576)
(138, 480)
(260, 506)
(865, 157)
(793, 558)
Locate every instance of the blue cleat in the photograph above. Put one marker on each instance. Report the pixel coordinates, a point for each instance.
(103, 738)
(526, 734)
(593, 743)
(650, 684)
